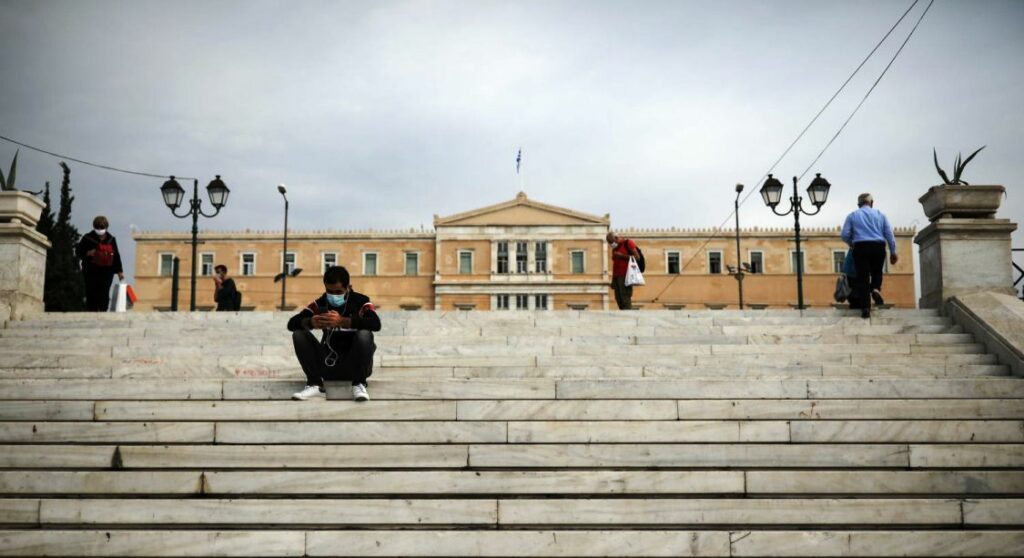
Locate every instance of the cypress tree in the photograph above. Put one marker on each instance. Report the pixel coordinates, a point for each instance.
(45, 224)
(65, 286)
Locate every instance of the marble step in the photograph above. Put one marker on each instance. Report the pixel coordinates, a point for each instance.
(796, 410)
(853, 483)
(322, 483)
(877, 543)
(254, 512)
(213, 513)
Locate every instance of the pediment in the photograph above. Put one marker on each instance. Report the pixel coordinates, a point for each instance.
(520, 211)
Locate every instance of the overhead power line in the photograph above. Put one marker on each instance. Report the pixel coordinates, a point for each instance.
(760, 179)
(97, 165)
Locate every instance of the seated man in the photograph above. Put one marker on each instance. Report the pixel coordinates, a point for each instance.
(345, 351)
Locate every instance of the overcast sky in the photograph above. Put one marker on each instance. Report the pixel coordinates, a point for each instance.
(380, 114)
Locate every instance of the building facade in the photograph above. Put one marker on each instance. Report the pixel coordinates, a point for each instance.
(516, 255)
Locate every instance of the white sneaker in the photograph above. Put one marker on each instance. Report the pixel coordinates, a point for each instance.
(309, 392)
(359, 393)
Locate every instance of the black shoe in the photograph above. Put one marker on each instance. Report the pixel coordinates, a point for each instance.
(877, 297)
(865, 313)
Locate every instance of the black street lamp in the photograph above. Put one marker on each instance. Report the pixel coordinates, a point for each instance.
(739, 258)
(771, 192)
(173, 194)
(284, 254)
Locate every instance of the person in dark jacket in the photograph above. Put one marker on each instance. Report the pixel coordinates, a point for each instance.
(226, 295)
(101, 260)
(345, 350)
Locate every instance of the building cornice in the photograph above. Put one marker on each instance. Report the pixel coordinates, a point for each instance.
(521, 200)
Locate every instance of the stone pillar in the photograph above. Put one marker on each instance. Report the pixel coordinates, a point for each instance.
(22, 256)
(964, 250)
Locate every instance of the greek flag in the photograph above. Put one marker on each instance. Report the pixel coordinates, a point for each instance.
(519, 158)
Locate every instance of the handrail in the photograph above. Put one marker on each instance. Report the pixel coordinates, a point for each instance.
(1018, 268)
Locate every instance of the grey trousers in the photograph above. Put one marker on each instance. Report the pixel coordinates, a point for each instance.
(623, 294)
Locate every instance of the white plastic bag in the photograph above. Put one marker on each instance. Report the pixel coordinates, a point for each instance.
(119, 302)
(633, 275)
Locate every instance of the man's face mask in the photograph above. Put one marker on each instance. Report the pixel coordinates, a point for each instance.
(336, 299)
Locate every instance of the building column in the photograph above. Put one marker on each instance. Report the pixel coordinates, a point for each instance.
(22, 256)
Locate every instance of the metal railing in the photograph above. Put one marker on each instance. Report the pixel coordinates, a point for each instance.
(1020, 277)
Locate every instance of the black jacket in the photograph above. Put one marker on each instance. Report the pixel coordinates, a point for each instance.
(90, 241)
(227, 297)
(357, 307)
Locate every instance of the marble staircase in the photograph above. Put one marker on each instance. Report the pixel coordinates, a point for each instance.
(708, 433)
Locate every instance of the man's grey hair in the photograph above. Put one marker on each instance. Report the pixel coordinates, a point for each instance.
(865, 199)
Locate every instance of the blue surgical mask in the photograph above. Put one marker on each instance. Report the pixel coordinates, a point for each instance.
(335, 300)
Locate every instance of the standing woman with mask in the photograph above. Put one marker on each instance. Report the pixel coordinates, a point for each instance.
(101, 260)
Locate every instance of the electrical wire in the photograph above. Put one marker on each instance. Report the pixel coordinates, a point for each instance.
(97, 165)
(868, 94)
(764, 176)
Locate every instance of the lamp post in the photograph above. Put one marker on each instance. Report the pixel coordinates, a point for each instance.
(739, 258)
(173, 194)
(284, 254)
(771, 192)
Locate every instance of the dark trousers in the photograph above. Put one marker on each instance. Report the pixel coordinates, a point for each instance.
(623, 294)
(354, 365)
(869, 259)
(97, 291)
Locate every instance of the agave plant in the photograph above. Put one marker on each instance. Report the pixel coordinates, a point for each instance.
(958, 167)
(7, 182)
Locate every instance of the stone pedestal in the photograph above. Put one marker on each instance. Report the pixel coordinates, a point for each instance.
(963, 256)
(22, 256)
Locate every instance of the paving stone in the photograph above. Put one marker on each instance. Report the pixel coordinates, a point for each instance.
(967, 455)
(878, 543)
(101, 482)
(151, 543)
(63, 456)
(294, 456)
(559, 372)
(908, 431)
(473, 482)
(567, 410)
(885, 482)
(741, 512)
(113, 432)
(519, 543)
(54, 373)
(258, 411)
(404, 432)
(688, 455)
(562, 432)
(318, 512)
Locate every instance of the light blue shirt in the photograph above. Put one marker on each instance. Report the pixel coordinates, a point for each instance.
(868, 224)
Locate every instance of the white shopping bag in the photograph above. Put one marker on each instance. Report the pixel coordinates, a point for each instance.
(119, 300)
(633, 275)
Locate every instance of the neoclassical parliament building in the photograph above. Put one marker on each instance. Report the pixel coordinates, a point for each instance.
(516, 255)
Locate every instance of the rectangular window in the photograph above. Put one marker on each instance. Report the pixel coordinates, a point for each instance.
(576, 262)
(540, 302)
(328, 259)
(412, 263)
(757, 261)
(540, 255)
(248, 263)
(793, 261)
(838, 259)
(465, 262)
(166, 265)
(502, 301)
(370, 263)
(206, 264)
(503, 257)
(714, 261)
(522, 302)
(672, 261)
(289, 262)
(521, 257)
